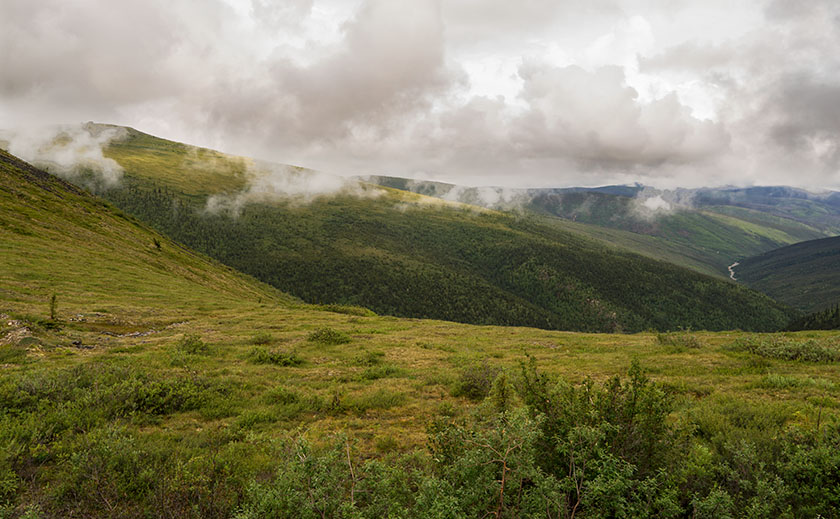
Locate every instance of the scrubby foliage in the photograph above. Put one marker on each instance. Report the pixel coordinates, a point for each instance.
(582, 450)
(276, 357)
(678, 340)
(779, 346)
(328, 335)
(538, 446)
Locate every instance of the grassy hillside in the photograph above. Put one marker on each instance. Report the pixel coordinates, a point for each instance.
(168, 386)
(58, 239)
(805, 275)
(407, 255)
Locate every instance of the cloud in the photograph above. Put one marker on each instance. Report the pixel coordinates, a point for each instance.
(273, 182)
(536, 93)
(72, 152)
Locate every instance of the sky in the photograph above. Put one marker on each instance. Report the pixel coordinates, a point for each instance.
(532, 93)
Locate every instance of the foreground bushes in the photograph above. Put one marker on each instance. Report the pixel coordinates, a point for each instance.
(535, 446)
(583, 450)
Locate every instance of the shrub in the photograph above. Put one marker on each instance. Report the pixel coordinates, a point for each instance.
(262, 338)
(12, 354)
(377, 372)
(475, 381)
(347, 310)
(778, 346)
(328, 336)
(192, 345)
(678, 340)
(369, 358)
(380, 399)
(277, 358)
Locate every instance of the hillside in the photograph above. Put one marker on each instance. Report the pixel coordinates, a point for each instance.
(705, 229)
(58, 239)
(168, 383)
(804, 275)
(407, 255)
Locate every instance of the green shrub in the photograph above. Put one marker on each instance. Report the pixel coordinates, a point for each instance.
(678, 340)
(275, 357)
(475, 381)
(380, 399)
(262, 338)
(12, 354)
(281, 395)
(381, 371)
(328, 336)
(192, 345)
(782, 347)
(369, 358)
(348, 310)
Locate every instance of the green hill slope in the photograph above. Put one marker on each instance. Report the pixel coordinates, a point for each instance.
(58, 239)
(711, 230)
(407, 255)
(805, 275)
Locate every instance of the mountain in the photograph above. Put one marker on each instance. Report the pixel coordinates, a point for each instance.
(59, 240)
(805, 275)
(703, 229)
(408, 255)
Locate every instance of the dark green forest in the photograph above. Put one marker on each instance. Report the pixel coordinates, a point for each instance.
(448, 263)
(828, 319)
(805, 275)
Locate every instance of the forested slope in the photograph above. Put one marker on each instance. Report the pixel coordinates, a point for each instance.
(402, 254)
(805, 275)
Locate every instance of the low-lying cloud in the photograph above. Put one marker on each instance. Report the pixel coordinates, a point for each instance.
(269, 182)
(73, 152)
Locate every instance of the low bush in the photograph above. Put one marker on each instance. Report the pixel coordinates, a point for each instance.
(777, 346)
(275, 357)
(474, 382)
(678, 340)
(262, 338)
(381, 371)
(192, 345)
(328, 336)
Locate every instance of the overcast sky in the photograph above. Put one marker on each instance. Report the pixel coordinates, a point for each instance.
(482, 92)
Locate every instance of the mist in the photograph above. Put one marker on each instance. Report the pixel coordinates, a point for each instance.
(268, 182)
(73, 152)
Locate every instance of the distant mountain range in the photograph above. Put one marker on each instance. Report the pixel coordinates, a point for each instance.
(706, 229)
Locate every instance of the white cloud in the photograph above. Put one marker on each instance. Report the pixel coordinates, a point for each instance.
(481, 92)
